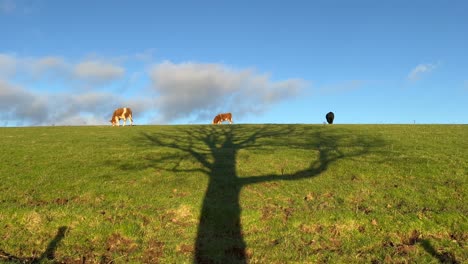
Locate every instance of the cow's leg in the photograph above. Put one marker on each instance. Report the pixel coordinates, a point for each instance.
(123, 116)
(131, 120)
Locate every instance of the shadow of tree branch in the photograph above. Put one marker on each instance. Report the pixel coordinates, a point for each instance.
(219, 237)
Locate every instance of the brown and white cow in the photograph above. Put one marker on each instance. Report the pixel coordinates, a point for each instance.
(121, 113)
(222, 117)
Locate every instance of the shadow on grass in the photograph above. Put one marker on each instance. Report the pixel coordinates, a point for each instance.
(219, 237)
(445, 257)
(49, 253)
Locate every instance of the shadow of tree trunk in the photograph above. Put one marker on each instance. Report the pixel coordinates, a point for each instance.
(49, 253)
(219, 237)
(219, 232)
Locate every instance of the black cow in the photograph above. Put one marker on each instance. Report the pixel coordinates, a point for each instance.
(330, 116)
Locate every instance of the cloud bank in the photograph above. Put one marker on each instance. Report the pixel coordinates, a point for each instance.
(98, 71)
(8, 65)
(20, 106)
(200, 90)
(18, 103)
(27, 97)
(44, 91)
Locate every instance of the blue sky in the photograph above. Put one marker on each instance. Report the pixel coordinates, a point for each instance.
(182, 62)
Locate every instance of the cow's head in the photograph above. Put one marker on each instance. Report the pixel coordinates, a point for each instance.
(114, 122)
(216, 120)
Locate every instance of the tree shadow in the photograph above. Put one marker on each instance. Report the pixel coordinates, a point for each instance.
(219, 237)
(48, 254)
(445, 257)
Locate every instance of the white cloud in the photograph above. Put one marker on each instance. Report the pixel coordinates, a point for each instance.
(15, 101)
(46, 67)
(8, 64)
(46, 63)
(98, 71)
(202, 90)
(419, 70)
(11, 65)
(83, 109)
(87, 73)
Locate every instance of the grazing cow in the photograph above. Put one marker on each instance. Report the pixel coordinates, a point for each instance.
(330, 116)
(222, 117)
(121, 113)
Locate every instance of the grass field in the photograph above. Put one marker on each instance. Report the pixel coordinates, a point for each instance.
(234, 194)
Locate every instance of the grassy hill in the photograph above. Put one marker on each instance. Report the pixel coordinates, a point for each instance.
(234, 193)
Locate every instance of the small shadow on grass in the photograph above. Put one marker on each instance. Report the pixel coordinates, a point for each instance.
(220, 237)
(445, 257)
(49, 253)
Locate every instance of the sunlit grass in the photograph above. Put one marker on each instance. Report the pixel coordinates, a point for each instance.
(307, 193)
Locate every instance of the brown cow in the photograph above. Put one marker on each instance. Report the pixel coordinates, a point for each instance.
(222, 117)
(121, 113)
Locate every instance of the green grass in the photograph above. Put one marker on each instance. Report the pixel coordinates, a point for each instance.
(231, 193)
